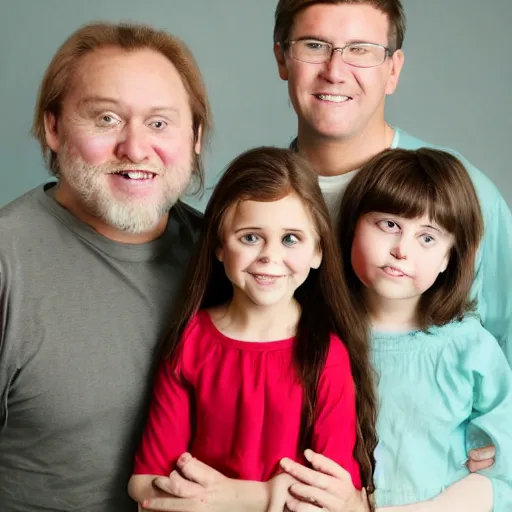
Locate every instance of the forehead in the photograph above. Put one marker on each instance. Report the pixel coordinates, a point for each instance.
(340, 23)
(285, 213)
(138, 79)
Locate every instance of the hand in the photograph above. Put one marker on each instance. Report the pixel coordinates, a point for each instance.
(326, 487)
(481, 458)
(193, 487)
(279, 491)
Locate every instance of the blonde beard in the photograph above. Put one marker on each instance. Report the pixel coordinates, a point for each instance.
(130, 216)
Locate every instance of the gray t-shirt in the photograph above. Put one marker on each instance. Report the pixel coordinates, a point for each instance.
(80, 317)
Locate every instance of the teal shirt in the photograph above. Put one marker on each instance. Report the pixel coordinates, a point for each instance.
(440, 394)
(492, 286)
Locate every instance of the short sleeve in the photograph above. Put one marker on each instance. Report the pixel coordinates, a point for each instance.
(335, 429)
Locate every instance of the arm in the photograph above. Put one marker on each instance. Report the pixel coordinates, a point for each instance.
(330, 486)
(166, 435)
(493, 275)
(491, 418)
(197, 487)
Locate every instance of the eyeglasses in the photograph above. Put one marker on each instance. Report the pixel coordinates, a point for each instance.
(361, 55)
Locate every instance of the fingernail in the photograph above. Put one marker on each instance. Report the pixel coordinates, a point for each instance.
(308, 454)
(186, 457)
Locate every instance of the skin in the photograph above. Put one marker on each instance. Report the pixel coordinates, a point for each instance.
(339, 137)
(398, 259)
(124, 111)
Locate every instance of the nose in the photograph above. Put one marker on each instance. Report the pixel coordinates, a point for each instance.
(133, 144)
(400, 249)
(271, 252)
(335, 69)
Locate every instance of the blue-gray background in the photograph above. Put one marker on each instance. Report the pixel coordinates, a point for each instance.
(454, 90)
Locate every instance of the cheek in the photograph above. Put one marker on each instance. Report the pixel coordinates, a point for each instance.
(94, 150)
(236, 259)
(299, 261)
(174, 151)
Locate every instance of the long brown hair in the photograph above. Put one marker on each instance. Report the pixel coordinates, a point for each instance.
(130, 37)
(269, 174)
(412, 183)
(287, 10)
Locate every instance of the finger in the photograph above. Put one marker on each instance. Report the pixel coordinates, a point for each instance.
(178, 486)
(326, 465)
(295, 505)
(475, 466)
(196, 471)
(169, 505)
(304, 474)
(487, 452)
(317, 497)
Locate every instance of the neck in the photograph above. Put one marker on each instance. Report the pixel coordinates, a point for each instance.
(245, 321)
(332, 157)
(392, 315)
(64, 196)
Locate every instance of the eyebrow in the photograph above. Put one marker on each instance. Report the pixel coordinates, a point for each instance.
(322, 40)
(429, 226)
(94, 100)
(255, 228)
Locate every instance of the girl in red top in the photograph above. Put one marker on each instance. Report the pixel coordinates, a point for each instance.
(254, 367)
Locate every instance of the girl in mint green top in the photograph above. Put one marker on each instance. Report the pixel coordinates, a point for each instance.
(410, 226)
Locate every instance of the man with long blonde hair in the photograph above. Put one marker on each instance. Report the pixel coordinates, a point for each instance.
(90, 265)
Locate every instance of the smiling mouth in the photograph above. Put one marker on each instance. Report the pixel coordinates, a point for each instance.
(333, 98)
(265, 278)
(136, 175)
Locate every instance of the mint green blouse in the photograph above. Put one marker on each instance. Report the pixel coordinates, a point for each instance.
(441, 394)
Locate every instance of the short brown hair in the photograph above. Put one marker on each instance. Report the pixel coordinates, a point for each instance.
(286, 11)
(269, 174)
(129, 37)
(412, 183)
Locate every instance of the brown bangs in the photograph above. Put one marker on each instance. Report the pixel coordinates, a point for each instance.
(406, 186)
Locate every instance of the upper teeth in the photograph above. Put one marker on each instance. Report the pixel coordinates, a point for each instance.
(332, 97)
(138, 175)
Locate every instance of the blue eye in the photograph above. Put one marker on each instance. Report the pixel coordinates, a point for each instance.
(290, 240)
(428, 239)
(250, 239)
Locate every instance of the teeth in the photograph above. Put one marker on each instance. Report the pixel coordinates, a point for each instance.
(333, 98)
(138, 175)
(261, 277)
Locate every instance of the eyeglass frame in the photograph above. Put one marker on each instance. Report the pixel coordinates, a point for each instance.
(388, 51)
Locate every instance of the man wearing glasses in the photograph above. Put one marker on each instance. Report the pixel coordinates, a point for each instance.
(341, 59)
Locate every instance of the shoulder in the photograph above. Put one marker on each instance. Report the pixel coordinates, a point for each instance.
(188, 219)
(473, 347)
(338, 356)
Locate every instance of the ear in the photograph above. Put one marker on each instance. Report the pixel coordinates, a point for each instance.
(397, 62)
(51, 131)
(219, 252)
(444, 264)
(281, 61)
(317, 259)
(199, 138)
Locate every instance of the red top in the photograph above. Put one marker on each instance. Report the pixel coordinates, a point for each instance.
(236, 406)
